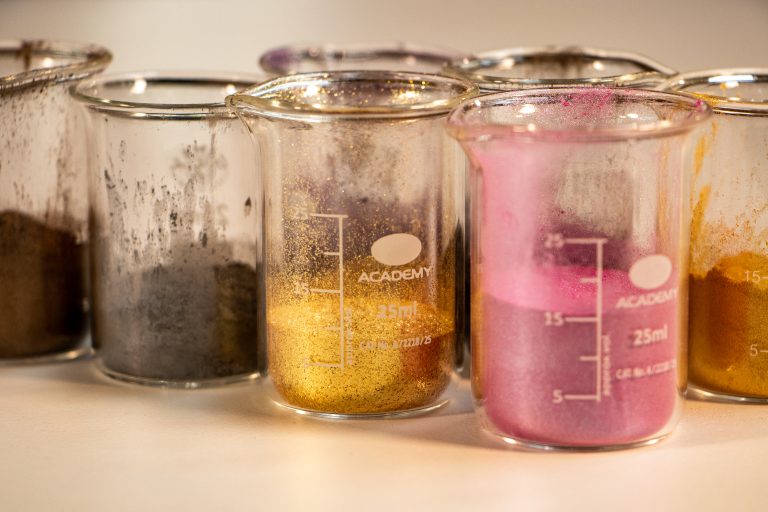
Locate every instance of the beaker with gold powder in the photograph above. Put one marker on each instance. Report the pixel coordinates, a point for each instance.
(728, 347)
(363, 238)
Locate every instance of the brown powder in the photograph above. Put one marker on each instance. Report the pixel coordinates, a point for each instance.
(42, 288)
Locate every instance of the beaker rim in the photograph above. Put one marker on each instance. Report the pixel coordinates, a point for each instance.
(461, 128)
(257, 99)
(649, 70)
(88, 92)
(286, 59)
(723, 104)
(87, 59)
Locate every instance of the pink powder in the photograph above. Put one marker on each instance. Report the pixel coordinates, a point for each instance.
(525, 361)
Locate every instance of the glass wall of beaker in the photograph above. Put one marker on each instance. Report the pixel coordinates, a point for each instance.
(43, 199)
(579, 269)
(363, 237)
(558, 66)
(304, 58)
(175, 221)
(728, 349)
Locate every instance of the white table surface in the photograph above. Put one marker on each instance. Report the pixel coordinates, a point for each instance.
(71, 439)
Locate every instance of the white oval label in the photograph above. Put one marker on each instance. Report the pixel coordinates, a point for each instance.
(396, 249)
(650, 272)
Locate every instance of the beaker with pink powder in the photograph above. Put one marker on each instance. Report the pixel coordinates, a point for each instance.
(579, 262)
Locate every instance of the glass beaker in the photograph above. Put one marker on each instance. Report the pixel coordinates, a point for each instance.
(363, 237)
(303, 58)
(43, 200)
(728, 347)
(579, 286)
(175, 229)
(558, 66)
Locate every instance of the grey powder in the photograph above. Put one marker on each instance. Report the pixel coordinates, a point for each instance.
(190, 323)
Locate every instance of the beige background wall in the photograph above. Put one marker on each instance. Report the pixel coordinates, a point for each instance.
(230, 34)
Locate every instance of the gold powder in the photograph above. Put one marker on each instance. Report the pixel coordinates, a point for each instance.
(395, 354)
(346, 332)
(385, 350)
(729, 327)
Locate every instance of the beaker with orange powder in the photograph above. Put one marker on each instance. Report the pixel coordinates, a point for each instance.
(728, 339)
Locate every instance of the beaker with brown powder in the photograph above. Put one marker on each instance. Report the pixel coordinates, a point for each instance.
(43, 200)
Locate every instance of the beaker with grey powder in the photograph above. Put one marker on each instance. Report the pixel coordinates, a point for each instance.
(176, 230)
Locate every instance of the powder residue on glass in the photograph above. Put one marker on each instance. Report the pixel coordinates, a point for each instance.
(175, 299)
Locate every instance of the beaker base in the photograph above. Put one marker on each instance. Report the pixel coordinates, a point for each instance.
(56, 357)
(698, 393)
(525, 444)
(176, 384)
(407, 413)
